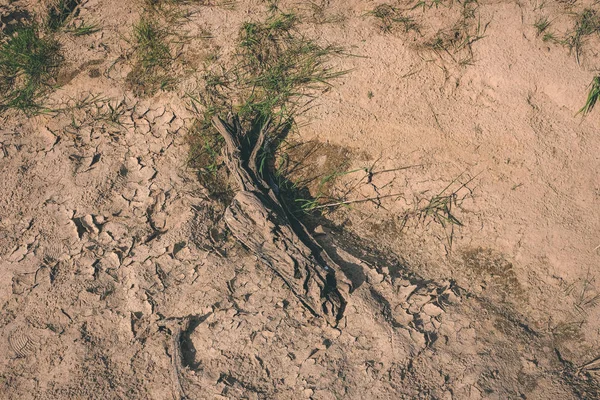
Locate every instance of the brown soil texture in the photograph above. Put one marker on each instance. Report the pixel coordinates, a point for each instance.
(120, 280)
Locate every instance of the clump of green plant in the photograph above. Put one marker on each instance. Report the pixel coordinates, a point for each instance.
(425, 4)
(59, 12)
(586, 24)
(541, 25)
(83, 29)
(279, 69)
(391, 17)
(276, 74)
(593, 96)
(152, 58)
(319, 14)
(150, 41)
(440, 209)
(456, 43)
(158, 40)
(551, 37)
(28, 67)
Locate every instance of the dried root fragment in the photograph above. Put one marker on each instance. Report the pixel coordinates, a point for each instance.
(260, 221)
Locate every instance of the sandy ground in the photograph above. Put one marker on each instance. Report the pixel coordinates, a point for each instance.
(119, 280)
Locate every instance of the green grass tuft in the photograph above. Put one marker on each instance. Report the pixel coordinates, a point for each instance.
(592, 98)
(550, 37)
(390, 17)
(541, 25)
(454, 44)
(83, 29)
(275, 75)
(150, 44)
(428, 4)
(59, 13)
(586, 24)
(279, 70)
(28, 65)
(152, 58)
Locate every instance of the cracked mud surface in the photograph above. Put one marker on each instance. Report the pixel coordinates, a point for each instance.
(120, 279)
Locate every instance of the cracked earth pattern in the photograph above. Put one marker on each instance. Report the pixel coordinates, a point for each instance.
(113, 256)
(119, 279)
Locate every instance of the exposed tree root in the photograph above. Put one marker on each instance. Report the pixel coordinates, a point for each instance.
(260, 221)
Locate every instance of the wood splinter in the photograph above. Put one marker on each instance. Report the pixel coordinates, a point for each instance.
(260, 221)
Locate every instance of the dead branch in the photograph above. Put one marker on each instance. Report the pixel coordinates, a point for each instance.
(260, 221)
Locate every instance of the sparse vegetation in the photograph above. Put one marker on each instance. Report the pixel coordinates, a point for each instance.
(322, 197)
(83, 29)
(593, 96)
(205, 146)
(276, 75)
(165, 5)
(152, 58)
(428, 4)
(390, 18)
(59, 13)
(308, 187)
(586, 24)
(584, 293)
(441, 208)
(452, 43)
(297, 264)
(204, 157)
(159, 40)
(280, 70)
(95, 111)
(541, 25)
(151, 46)
(319, 14)
(28, 66)
(550, 37)
(456, 43)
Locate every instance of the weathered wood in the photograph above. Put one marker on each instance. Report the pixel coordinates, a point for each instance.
(260, 221)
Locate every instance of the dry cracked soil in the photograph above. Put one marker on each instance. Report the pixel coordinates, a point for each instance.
(472, 272)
